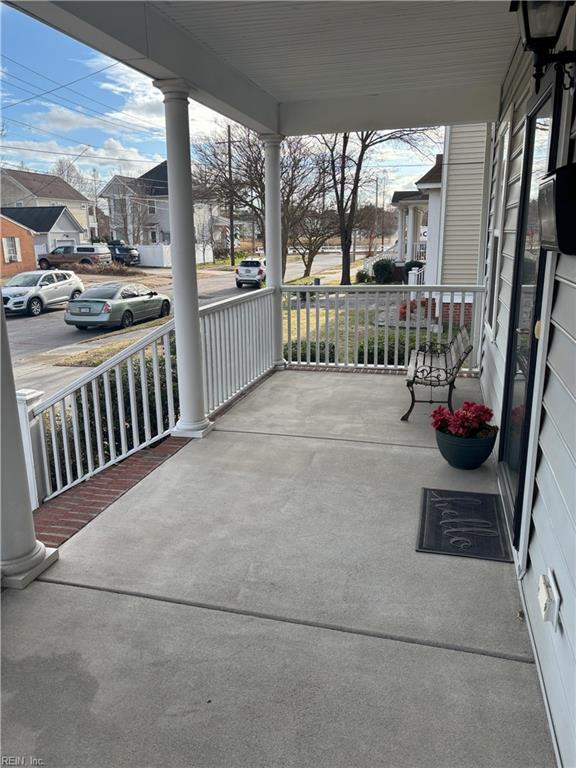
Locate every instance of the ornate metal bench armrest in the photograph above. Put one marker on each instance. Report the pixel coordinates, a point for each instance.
(435, 376)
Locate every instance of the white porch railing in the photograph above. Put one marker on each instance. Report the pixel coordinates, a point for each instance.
(131, 400)
(419, 251)
(376, 326)
(416, 276)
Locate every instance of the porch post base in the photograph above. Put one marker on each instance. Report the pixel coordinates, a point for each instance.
(280, 365)
(17, 574)
(195, 430)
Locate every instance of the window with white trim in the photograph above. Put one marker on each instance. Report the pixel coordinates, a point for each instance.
(11, 248)
(152, 206)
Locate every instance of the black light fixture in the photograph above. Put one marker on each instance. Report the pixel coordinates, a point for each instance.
(541, 23)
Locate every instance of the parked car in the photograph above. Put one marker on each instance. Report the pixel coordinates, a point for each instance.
(251, 272)
(124, 254)
(67, 255)
(120, 305)
(32, 292)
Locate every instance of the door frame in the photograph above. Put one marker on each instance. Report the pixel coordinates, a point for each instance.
(513, 500)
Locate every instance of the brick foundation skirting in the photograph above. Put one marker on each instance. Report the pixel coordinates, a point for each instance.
(60, 518)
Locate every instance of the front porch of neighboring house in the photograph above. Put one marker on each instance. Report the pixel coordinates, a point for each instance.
(258, 600)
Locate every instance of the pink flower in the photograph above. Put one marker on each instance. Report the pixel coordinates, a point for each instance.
(467, 421)
(440, 417)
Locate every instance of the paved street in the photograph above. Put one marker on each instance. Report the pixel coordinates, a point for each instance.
(31, 336)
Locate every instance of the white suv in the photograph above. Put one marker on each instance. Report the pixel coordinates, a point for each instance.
(251, 272)
(32, 292)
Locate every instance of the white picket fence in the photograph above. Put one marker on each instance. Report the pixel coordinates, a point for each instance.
(130, 401)
(376, 326)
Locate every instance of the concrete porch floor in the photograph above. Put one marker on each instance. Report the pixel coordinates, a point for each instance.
(258, 601)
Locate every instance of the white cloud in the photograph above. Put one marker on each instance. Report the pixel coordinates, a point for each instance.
(143, 103)
(111, 157)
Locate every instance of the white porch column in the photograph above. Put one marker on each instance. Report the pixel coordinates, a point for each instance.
(192, 421)
(401, 233)
(273, 225)
(410, 234)
(22, 557)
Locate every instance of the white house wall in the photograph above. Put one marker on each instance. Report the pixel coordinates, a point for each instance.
(462, 246)
(552, 538)
(433, 238)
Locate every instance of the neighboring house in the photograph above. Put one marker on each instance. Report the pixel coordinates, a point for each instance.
(17, 248)
(139, 209)
(103, 224)
(451, 193)
(52, 226)
(20, 188)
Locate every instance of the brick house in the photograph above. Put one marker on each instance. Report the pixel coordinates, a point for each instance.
(17, 248)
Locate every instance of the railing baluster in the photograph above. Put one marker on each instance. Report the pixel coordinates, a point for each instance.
(120, 404)
(450, 315)
(407, 331)
(366, 326)
(87, 435)
(169, 380)
(429, 317)
(133, 406)
(317, 317)
(327, 328)
(440, 327)
(337, 328)
(355, 353)
(346, 330)
(203, 346)
(45, 463)
(418, 319)
(65, 444)
(308, 347)
(397, 333)
(98, 421)
(76, 435)
(144, 391)
(109, 417)
(55, 452)
(157, 390)
(288, 297)
(298, 337)
(386, 326)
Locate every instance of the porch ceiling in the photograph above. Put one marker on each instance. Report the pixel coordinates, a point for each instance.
(310, 67)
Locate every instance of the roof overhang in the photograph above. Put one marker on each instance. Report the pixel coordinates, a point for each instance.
(310, 67)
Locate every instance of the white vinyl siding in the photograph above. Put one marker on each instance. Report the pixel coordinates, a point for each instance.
(465, 159)
(552, 518)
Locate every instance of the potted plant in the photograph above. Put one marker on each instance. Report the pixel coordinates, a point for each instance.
(465, 438)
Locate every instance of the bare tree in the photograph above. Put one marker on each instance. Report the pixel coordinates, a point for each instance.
(303, 178)
(346, 154)
(70, 173)
(311, 233)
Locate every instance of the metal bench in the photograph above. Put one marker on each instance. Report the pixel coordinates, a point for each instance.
(437, 365)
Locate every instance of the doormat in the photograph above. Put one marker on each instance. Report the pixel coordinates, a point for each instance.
(463, 524)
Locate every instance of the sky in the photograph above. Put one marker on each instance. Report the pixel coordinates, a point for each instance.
(112, 118)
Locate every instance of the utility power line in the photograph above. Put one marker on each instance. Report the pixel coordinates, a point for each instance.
(64, 85)
(57, 82)
(96, 116)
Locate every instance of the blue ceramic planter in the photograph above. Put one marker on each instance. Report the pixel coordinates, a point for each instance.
(465, 452)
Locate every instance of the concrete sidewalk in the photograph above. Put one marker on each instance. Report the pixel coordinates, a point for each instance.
(257, 601)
